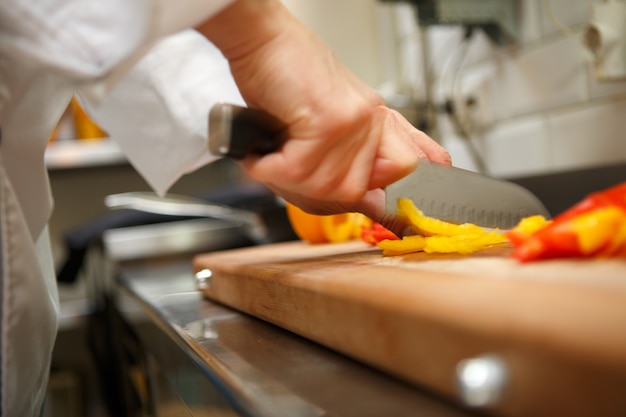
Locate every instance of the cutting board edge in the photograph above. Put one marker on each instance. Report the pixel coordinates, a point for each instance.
(442, 378)
(522, 320)
(444, 384)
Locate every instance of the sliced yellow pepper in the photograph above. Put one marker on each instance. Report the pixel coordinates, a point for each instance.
(529, 225)
(429, 226)
(438, 236)
(463, 244)
(408, 244)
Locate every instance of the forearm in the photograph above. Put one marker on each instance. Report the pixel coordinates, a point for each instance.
(282, 66)
(245, 25)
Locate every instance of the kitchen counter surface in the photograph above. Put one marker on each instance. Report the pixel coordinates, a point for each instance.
(222, 362)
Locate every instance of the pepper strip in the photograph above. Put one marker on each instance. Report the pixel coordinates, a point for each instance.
(437, 236)
(593, 227)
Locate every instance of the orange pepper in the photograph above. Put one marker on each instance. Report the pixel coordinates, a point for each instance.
(85, 127)
(306, 226)
(333, 228)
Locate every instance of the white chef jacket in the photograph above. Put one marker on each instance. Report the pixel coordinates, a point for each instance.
(143, 77)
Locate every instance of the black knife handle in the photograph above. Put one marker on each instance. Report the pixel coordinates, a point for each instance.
(237, 132)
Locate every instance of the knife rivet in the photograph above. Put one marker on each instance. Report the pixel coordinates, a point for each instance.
(203, 279)
(482, 380)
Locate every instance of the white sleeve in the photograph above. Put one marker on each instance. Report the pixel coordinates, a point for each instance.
(146, 80)
(158, 112)
(85, 40)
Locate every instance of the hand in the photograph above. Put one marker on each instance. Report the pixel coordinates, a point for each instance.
(344, 145)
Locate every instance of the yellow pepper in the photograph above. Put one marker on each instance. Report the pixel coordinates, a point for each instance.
(408, 244)
(429, 226)
(464, 244)
(595, 228)
(437, 236)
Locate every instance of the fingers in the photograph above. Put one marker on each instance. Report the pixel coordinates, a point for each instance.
(361, 152)
(400, 147)
(345, 178)
(327, 158)
(323, 170)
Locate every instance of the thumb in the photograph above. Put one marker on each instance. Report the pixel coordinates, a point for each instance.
(373, 206)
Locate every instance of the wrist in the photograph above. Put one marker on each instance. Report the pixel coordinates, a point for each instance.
(244, 26)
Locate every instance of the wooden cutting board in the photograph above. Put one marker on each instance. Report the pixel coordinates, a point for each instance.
(559, 327)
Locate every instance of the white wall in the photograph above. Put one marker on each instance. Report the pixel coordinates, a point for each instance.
(350, 27)
(539, 107)
(539, 103)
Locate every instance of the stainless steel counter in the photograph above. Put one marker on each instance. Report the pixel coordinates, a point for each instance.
(218, 362)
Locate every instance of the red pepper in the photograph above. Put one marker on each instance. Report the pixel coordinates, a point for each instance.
(554, 241)
(596, 226)
(377, 233)
(614, 196)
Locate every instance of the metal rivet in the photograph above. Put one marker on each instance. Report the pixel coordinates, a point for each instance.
(482, 380)
(203, 279)
(208, 330)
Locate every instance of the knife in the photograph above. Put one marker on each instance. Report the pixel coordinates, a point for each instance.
(447, 193)
(237, 132)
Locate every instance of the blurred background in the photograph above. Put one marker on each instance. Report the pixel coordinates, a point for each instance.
(530, 99)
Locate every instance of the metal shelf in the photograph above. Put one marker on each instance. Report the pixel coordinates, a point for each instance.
(83, 153)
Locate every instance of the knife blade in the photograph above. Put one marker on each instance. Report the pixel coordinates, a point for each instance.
(446, 193)
(461, 196)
